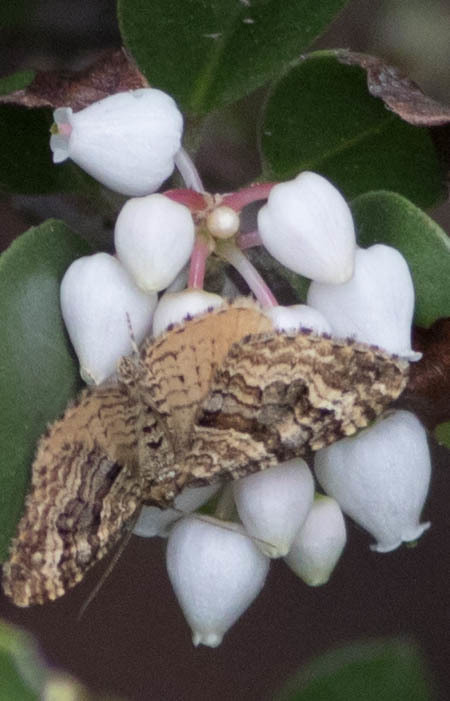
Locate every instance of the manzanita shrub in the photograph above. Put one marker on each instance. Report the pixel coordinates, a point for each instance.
(341, 244)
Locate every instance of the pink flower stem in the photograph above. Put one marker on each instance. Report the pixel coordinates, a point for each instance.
(190, 198)
(249, 240)
(238, 200)
(233, 255)
(198, 264)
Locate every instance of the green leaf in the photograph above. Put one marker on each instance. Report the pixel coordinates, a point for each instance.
(386, 217)
(442, 433)
(38, 373)
(21, 671)
(17, 81)
(373, 671)
(25, 158)
(206, 53)
(321, 117)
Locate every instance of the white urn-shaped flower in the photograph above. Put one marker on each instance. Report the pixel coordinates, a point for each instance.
(380, 478)
(101, 307)
(307, 225)
(319, 543)
(127, 141)
(154, 238)
(274, 503)
(216, 572)
(297, 316)
(376, 306)
(175, 307)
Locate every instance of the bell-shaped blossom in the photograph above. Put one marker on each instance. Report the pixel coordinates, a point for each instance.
(153, 521)
(216, 572)
(297, 316)
(154, 238)
(307, 225)
(380, 478)
(274, 503)
(175, 307)
(127, 141)
(376, 306)
(319, 543)
(100, 305)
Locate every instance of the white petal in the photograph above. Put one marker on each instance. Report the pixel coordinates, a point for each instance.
(216, 573)
(63, 115)
(319, 543)
(380, 478)
(59, 144)
(273, 504)
(307, 225)
(175, 307)
(97, 295)
(297, 316)
(153, 521)
(376, 306)
(154, 237)
(127, 141)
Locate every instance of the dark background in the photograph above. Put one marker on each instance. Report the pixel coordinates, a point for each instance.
(133, 639)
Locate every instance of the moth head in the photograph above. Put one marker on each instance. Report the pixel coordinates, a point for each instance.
(130, 370)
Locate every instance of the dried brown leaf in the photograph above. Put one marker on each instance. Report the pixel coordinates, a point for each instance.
(114, 72)
(400, 94)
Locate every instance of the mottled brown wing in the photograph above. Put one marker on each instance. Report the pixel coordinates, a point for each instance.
(278, 395)
(85, 487)
(176, 369)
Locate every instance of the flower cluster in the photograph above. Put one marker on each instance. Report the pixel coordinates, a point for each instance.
(131, 142)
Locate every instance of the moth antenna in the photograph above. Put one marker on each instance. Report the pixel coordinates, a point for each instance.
(134, 345)
(229, 526)
(129, 528)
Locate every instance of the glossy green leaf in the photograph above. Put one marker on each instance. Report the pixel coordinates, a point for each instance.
(386, 217)
(26, 165)
(17, 81)
(321, 117)
(442, 434)
(372, 671)
(206, 53)
(38, 373)
(21, 671)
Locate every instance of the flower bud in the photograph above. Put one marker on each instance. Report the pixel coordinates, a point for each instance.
(154, 238)
(223, 222)
(274, 503)
(216, 572)
(97, 299)
(153, 521)
(307, 225)
(175, 307)
(380, 478)
(297, 316)
(126, 141)
(319, 543)
(376, 306)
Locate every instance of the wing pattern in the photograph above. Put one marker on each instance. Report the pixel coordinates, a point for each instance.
(217, 397)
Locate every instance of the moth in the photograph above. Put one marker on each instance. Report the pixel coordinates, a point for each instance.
(217, 397)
